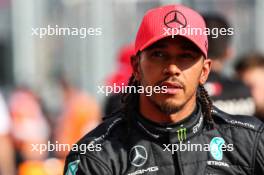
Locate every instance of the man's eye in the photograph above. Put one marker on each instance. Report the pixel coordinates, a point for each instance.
(159, 54)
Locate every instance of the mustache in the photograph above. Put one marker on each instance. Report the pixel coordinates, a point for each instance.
(172, 79)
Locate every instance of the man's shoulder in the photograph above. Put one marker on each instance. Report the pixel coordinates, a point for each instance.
(110, 132)
(249, 123)
(98, 148)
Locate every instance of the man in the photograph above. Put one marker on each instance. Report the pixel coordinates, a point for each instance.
(144, 137)
(250, 69)
(228, 94)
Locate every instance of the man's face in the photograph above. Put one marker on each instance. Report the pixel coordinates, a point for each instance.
(176, 63)
(254, 78)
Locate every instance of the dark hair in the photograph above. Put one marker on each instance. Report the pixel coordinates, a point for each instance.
(217, 46)
(249, 61)
(130, 99)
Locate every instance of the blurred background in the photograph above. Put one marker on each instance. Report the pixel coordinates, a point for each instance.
(49, 85)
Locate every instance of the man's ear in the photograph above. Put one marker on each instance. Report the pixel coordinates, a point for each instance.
(205, 70)
(134, 61)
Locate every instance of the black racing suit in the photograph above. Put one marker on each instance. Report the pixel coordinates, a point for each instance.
(235, 146)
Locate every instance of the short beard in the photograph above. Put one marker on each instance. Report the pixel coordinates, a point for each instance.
(166, 108)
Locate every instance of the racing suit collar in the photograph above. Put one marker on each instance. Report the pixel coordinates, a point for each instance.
(172, 133)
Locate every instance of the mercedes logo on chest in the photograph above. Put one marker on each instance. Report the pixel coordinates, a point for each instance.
(138, 155)
(175, 19)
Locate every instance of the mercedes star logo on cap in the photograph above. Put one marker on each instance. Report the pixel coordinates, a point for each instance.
(138, 155)
(175, 18)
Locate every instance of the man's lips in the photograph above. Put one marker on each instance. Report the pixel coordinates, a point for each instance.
(171, 87)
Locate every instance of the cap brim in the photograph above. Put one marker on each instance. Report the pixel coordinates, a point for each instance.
(160, 37)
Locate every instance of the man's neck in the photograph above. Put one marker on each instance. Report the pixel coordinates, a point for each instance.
(153, 113)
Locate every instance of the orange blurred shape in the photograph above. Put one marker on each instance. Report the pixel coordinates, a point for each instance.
(50, 166)
(31, 168)
(81, 114)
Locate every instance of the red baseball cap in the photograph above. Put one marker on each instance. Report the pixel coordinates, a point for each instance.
(166, 21)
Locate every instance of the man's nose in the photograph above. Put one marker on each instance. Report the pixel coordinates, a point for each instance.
(171, 69)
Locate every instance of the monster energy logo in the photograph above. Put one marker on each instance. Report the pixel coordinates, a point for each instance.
(182, 134)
